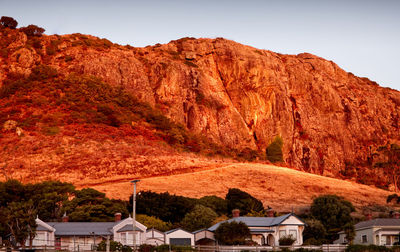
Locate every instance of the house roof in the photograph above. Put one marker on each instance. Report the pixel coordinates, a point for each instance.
(82, 228)
(256, 221)
(128, 227)
(43, 228)
(380, 222)
(176, 229)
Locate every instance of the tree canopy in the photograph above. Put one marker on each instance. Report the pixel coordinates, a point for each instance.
(274, 150)
(200, 217)
(232, 233)
(32, 30)
(238, 199)
(8, 22)
(333, 212)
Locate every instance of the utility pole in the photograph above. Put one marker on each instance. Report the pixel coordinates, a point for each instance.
(134, 212)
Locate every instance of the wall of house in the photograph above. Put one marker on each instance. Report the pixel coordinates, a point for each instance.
(42, 238)
(179, 234)
(154, 237)
(369, 234)
(126, 238)
(285, 230)
(78, 243)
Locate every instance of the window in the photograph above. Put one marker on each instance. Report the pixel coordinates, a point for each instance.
(282, 233)
(293, 233)
(364, 239)
(123, 238)
(377, 239)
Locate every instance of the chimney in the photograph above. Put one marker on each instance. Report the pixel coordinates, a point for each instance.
(368, 216)
(235, 213)
(65, 218)
(396, 215)
(117, 216)
(270, 212)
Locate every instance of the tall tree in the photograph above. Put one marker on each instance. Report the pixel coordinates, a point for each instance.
(200, 217)
(333, 212)
(20, 219)
(238, 199)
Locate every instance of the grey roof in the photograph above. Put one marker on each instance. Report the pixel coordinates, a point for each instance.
(256, 221)
(42, 228)
(128, 227)
(380, 222)
(82, 228)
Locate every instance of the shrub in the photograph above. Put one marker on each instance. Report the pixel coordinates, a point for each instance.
(147, 248)
(8, 22)
(274, 150)
(370, 248)
(232, 233)
(114, 246)
(287, 240)
(43, 72)
(33, 30)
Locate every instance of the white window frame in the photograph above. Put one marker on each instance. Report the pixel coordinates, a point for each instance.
(282, 233)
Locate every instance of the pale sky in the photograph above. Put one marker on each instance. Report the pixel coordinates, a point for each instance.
(361, 36)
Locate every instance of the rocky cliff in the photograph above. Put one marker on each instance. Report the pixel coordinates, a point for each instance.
(235, 95)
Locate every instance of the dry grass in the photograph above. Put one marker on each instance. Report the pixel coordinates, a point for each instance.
(278, 187)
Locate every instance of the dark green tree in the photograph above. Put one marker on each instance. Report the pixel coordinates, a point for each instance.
(238, 199)
(232, 233)
(92, 205)
(287, 240)
(32, 30)
(167, 207)
(8, 22)
(219, 205)
(314, 232)
(20, 220)
(274, 150)
(200, 217)
(333, 212)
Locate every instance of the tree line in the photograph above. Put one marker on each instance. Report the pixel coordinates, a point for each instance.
(21, 203)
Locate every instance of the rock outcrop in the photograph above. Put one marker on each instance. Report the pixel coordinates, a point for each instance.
(237, 95)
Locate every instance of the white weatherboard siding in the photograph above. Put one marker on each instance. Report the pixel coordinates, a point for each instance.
(179, 234)
(155, 237)
(126, 237)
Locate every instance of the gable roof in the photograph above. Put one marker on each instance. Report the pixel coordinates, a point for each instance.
(176, 229)
(257, 221)
(82, 228)
(380, 222)
(43, 228)
(128, 227)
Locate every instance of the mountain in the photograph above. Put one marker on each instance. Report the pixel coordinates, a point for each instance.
(82, 109)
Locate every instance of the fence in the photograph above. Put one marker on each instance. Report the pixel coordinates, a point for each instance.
(324, 248)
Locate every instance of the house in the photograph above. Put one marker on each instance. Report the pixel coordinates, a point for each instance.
(268, 230)
(154, 237)
(204, 237)
(76, 236)
(180, 237)
(381, 231)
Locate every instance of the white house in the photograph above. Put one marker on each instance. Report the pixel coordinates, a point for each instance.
(268, 230)
(179, 237)
(154, 237)
(377, 231)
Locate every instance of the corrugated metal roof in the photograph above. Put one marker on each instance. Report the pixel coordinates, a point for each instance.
(42, 228)
(256, 221)
(82, 228)
(380, 222)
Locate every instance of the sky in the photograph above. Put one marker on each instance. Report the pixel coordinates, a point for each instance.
(361, 36)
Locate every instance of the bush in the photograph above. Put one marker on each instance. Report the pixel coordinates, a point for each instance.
(147, 248)
(274, 150)
(33, 30)
(43, 72)
(287, 240)
(114, 246)
(232, 233)
(166, 247)
(8, 22)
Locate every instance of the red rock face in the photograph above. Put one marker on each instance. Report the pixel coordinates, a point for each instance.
(242, 97)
